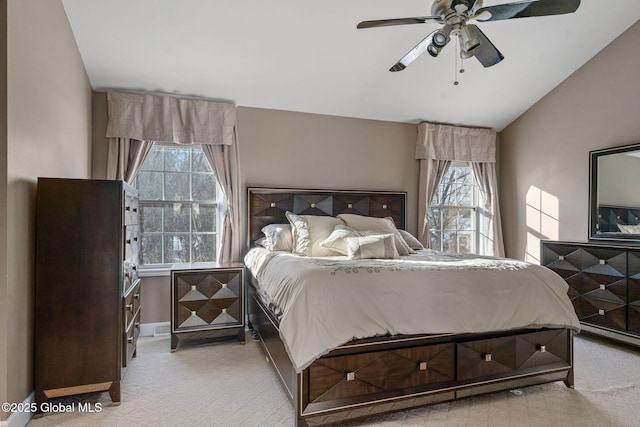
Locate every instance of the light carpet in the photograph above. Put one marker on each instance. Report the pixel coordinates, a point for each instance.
(231, 384)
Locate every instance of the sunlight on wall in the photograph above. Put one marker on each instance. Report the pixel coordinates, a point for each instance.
(542, 219)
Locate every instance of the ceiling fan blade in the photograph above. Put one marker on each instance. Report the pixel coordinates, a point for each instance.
(486, 53)
(411, 56)
(526, 9)
(398, 21)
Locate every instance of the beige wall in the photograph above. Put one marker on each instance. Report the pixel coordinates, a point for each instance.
(48, 134)
(545, 152)
(287, 149)
(4, 303)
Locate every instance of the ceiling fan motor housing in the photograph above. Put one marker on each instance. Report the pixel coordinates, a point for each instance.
(444, 8)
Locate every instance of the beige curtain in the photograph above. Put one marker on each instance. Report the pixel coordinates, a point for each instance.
(431, 173)
(125, 157)
(491, 240)
(438, 143)
(224, 163)
(135, 119)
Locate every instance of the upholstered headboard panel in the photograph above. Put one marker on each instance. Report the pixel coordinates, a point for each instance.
(269, 205)
(609, 217)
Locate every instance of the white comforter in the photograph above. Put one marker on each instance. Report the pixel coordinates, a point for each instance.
(326, 302)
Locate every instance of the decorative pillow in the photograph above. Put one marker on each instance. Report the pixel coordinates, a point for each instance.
(309, 231)
(278, 237)
(377, 226)
(633, 229)
(337, 240)
(373, 246)
(411, 240)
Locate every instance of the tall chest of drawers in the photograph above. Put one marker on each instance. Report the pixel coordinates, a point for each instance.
(87, 295)
(604, 285)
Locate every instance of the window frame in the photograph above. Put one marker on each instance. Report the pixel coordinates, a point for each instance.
(474, 208)
(164, 267)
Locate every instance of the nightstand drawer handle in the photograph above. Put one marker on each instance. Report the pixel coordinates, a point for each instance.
(129, 306)
(422, 366)
(486, 357)
(601, 312)
(541, 348)
(351, 376)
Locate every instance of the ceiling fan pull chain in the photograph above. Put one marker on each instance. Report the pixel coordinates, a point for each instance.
(455, 81)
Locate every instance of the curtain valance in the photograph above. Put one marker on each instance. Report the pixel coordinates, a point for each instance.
(169, 119)
(446, 142)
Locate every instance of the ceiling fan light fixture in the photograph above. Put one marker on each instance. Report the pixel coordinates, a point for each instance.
(441, 37)
(433, 50)
(466, 55)
(469, 39)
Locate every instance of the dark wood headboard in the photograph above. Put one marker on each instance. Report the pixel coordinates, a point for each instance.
(269, 205)
(609, 217)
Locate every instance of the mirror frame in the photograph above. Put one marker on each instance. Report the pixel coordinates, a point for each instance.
(593, 194)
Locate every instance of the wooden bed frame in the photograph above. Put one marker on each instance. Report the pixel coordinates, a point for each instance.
(393, 373)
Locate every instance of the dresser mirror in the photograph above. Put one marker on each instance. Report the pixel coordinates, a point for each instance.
(614, 199)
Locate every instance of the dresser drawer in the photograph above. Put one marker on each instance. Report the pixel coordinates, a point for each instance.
(633, 292)
(131, 304)
(130, 344)
(132, 243)
(131, 209)
(496, 357)
(359, 375)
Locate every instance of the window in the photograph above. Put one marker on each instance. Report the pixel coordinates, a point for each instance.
(454, 211)
(178, 206)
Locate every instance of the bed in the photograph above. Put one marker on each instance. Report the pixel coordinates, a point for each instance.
(440, 345)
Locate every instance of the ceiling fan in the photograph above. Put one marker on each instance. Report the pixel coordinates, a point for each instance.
(454, 15)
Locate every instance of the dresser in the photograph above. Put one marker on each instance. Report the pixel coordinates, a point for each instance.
(207, 300)
(87, 294)
(604, 285)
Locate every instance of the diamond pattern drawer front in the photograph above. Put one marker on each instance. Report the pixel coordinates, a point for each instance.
(490, 358)
(369, 374)
(604, 284)
(597, 279)
(208, 299)
(633, 292)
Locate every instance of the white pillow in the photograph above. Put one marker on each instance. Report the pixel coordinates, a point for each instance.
(377, 226)
(411, 240)
(278, 237)
(633, 229)
(373, 246)
(309, 231)
(337, 239)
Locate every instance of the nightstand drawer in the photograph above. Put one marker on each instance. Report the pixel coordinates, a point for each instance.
(207, 297)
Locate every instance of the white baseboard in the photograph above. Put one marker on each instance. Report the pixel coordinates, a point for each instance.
(20, 419)
(155, 329)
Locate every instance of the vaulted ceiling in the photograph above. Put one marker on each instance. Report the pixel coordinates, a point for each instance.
(309, 57)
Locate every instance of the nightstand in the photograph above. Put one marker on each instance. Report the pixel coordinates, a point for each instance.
(207, 299)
